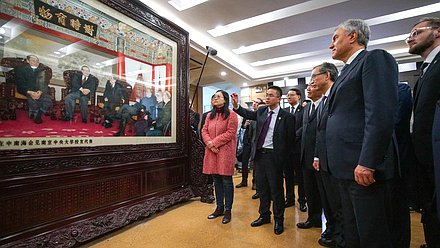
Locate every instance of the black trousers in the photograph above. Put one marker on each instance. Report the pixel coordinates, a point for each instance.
(270, 184)
(401, 223)
(366, 214)
(313, 197)
(331, 202)
(293, 173)
(431, 225)
(245, 162)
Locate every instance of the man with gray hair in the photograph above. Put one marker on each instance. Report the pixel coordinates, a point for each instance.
(424, 40)
(323, 77)
(359, 134)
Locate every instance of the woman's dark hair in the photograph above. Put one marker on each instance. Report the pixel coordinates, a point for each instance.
(224, 110)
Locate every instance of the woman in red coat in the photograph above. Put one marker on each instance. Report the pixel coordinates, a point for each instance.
(219, 134)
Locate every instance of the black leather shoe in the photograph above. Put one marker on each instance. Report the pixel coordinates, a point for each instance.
(307, 224)
(218, 212)
(242, 184)
(326, 242)
(327, 234)
(302, 207)
(289, 204)
(260, 221)
(424, 246)
(65, 118)
(278, 228)
(227, 217)
(84, 121)
(256, 196)
(37, 118)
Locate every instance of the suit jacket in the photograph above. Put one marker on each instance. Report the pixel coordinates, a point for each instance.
(361, 109)
(283, 135)
(402, 128)
(308, 137)
(298, 126)
(113, 94)
(436, 150)
(26, 79)
(321, 143)
(426, 95)
(89, 84)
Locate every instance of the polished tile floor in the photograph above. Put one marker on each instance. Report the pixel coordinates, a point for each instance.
(186, 225)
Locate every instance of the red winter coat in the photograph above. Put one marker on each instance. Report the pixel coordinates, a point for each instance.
(223, 134)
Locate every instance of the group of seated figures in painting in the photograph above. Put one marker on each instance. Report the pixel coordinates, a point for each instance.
(150, 115)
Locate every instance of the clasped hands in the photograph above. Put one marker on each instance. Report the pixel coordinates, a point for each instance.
(35, 94)
(84, 91)
(211, 147)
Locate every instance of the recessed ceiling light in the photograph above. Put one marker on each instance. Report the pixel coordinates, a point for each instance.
(273, 16)
(406, 14)
(245, 84)
(2, 31)
(185, 4)
(56, 52)
(223, 73)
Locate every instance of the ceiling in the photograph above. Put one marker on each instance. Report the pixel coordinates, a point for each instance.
(295, 34)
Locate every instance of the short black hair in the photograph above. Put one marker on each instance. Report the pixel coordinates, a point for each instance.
(278, 89)
(297, 91)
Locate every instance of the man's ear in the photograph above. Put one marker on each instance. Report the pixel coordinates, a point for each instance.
(353, 37)
(437, 33)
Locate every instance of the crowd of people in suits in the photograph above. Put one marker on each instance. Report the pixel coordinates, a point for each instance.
(154, 111)
(350, 146)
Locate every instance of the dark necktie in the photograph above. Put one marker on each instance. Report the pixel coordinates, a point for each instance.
(422, 68)
(84, 80)
(312, 109)
(321, 106)
(264, 130)
(292, 110)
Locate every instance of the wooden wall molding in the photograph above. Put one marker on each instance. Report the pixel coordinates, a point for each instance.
(88, 229)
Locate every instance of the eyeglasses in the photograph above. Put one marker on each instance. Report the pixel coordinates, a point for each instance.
(317, 74)
(416, 32)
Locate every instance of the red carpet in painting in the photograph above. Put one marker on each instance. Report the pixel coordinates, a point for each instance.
(25, 127)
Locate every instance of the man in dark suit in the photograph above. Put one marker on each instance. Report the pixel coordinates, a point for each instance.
(308, 141)
(424, 40)
(293, 171)
(436, 150)
(359, 134)
(113, 96)
(30, 83)
(276, 140)
(324, 76)
(82, 87)
(401, 223)
(247, 146)
(163, 121)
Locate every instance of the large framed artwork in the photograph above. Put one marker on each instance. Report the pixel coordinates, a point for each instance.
(130, 97)
(94, 119)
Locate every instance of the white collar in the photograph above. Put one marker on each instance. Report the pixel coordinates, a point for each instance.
(354, 55)
(432, 55)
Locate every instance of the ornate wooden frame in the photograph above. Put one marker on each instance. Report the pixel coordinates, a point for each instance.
(63, 197)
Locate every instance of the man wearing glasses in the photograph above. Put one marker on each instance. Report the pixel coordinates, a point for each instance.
(424, 40)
